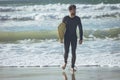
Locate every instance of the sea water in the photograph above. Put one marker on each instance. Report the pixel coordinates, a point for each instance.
(28, 33)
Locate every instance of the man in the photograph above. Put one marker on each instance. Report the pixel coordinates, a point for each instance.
(70, 36)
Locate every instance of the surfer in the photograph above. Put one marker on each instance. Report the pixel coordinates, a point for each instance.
(70, 36)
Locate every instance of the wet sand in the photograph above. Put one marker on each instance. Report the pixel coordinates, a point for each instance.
(56, 73)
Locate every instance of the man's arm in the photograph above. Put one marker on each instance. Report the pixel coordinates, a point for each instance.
(63, 20)
(80, 31)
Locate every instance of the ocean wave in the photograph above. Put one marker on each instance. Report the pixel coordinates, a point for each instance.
(56, 16)
(16, 18)
(114, 15)
(41, 35)
(8, 9)
(99, 53)
(61, 7)
(58, 11)
(103, 6)
(31, 2)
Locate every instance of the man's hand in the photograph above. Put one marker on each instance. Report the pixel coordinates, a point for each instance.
(80, 41)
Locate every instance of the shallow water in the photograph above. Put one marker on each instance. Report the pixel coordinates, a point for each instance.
(31, 73)
(50, 53)
(28, 33)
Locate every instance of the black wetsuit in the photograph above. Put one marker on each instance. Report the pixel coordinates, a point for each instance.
(70, 36)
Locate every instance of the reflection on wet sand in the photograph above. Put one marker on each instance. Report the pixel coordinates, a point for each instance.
(66, 78)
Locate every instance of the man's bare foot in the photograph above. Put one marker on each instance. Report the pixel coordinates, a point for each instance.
(73, 70)
(64, 66)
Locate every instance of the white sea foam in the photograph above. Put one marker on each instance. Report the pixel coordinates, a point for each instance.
(50, 53)
(47, 17)
(58, 11)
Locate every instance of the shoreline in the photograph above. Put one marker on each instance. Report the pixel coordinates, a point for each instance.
(56, 73)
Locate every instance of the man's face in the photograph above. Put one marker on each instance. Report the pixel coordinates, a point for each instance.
(72, 11)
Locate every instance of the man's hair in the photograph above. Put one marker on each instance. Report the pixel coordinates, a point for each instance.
(72, 7)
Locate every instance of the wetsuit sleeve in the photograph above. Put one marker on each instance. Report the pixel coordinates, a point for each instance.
(63, 20)
(80, 29)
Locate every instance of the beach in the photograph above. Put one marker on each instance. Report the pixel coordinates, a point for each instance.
(56, 73)
(30, 47)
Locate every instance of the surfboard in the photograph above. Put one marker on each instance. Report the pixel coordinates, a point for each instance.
(61, 31)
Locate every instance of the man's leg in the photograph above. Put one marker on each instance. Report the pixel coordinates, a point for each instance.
(73, 46)
(66, 48)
